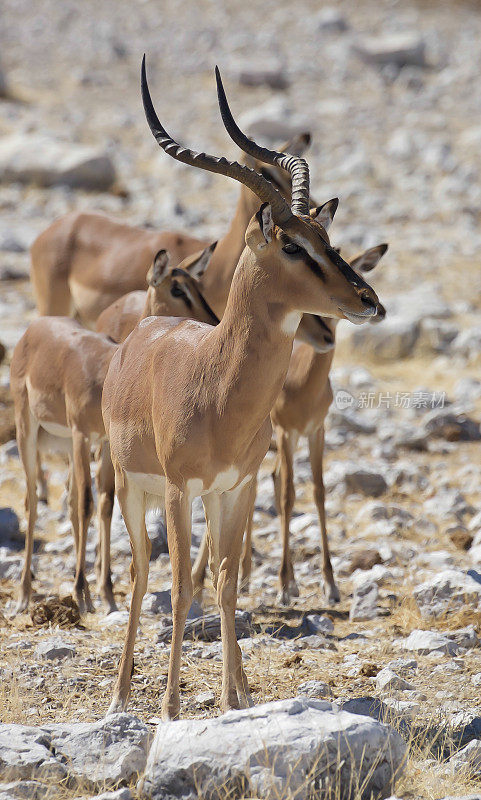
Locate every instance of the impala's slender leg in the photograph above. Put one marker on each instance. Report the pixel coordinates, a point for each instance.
(73, 503)
(316, 452)
(246, 560)
(276, 480)
(286, 445)
(81, 471)
(42, 481)
(132, 504)
(105, 480)
(199, 568)
(27, 432)
(227, 516)
(178, 511)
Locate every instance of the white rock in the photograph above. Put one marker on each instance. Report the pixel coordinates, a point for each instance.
(102, 753)
(399, 49)
(451, 586)
(268, 747)
(314, 689)
(424, 642)
(468, 759)
(25, 754)
(35, 158)
(364, 603)
(23, 790)
(55, 649)
(387, 679)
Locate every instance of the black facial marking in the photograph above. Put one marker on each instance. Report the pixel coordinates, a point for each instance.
(306, 258)
(345, 268)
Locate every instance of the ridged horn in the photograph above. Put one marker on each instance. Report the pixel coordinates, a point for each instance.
(296, 166)
(264, 190)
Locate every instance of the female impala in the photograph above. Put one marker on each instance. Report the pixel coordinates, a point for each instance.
(120, 318)
(57, 373)
(186, 406)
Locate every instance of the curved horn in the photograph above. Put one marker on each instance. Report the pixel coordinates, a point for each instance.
(297, 167)
(264, 190)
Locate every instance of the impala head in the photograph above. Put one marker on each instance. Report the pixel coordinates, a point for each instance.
(288, 241)
(177, 292)
(320, 332)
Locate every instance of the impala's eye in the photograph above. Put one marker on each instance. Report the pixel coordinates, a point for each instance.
(176, 291)
(292, 248)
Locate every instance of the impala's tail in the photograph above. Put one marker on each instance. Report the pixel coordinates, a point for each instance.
(50, 257)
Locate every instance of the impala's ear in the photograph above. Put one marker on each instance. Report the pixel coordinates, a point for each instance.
(197, 268)
(298, 145)
(325, 214)
(158, 268)
(366, 261)
(266, 223)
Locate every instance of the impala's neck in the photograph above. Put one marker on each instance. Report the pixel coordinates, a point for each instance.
(314, 367)
(218, 275)
(253, 343)
(153, 308)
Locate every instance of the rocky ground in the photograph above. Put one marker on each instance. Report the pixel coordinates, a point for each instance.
(396, 135)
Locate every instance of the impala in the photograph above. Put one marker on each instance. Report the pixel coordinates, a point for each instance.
(300, 410)
(120, 318)
(186, 406)
(84, 262)
(57, 374)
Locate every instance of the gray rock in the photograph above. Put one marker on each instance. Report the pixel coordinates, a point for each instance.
(10, 566)
(330, 20)
(118, 794)
(364, 604)
(37, 159)
(205, 699)
(314, 689)
(403, 665)
(425, 642)
(207, 627)
(387, 679)
(103, 753)
(161, 603)
(446, 589)
(9, 527)
(319, 623)
(258, 751)
(25, 755)
(399, 50)
(157, 530)
(260, 73)
(370, 483)
(55, 649)
(23, 790)
(451, 424)
(468, 760)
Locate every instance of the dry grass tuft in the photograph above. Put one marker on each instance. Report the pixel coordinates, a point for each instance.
(61, 611)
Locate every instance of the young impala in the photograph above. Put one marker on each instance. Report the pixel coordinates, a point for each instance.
(120, 318)
(57, 374)
(300, 410)
(186, 406)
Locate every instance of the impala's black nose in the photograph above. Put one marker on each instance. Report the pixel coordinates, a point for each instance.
(368, 302)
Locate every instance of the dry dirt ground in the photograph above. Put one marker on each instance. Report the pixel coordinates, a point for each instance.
(401, 150)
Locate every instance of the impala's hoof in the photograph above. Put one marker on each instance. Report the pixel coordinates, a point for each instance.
(331, 593)
(116, 706)
(21, 606)
(283, 598)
